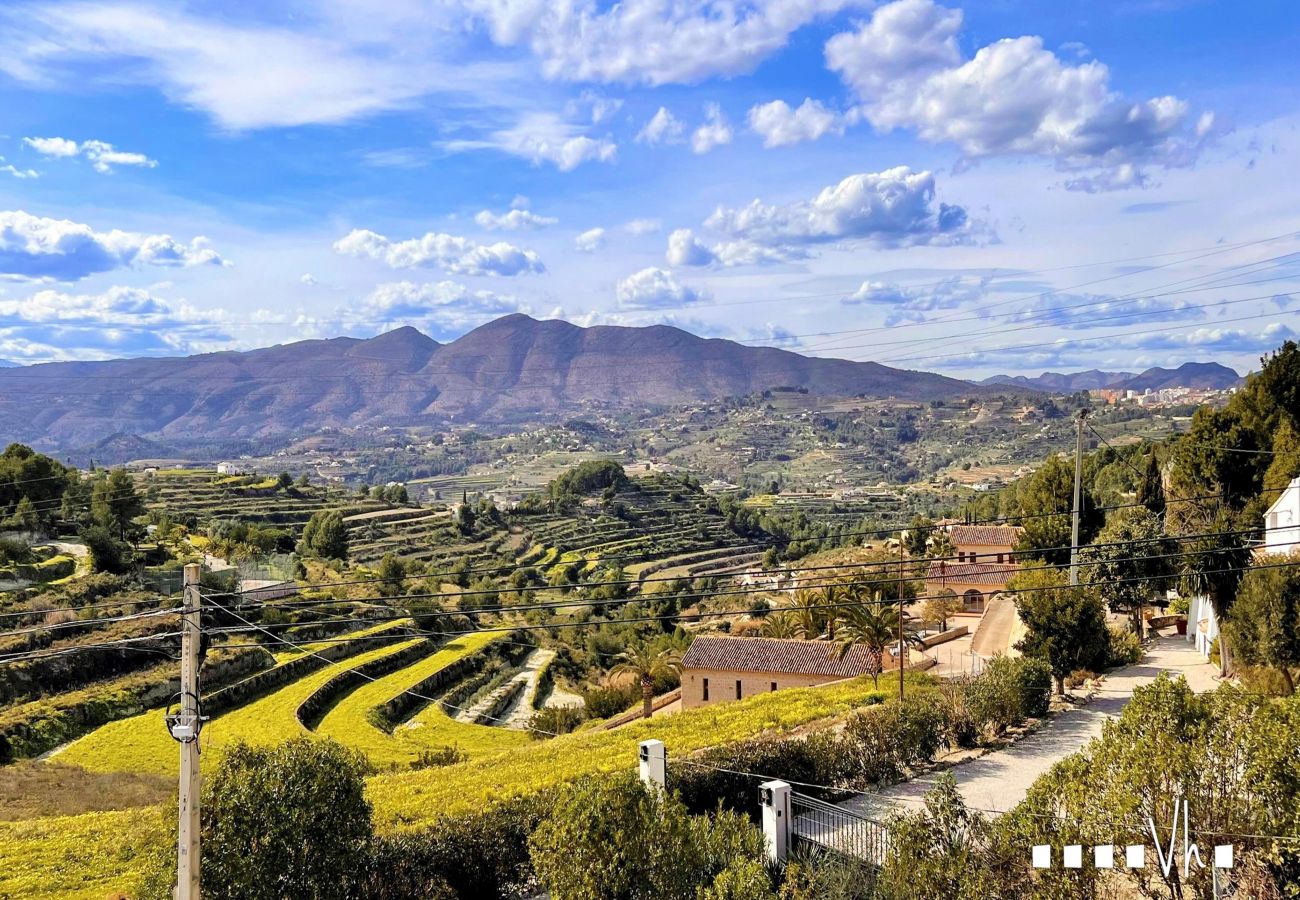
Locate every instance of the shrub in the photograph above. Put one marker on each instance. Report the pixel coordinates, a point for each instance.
(605, 701)
(1122, 647)
(288, 821)
(1010, 690)
(555, 720)
(439, 756)
(893, 737)
(1079, 677)
(636, 844)
(960, 727)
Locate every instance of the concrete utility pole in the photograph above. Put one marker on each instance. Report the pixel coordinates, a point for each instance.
(185, 729)
(1078, 493)
(902, 659)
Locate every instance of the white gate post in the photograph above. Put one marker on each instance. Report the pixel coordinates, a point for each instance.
(654, 764)
(774, 797)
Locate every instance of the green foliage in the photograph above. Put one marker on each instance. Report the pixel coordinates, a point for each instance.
(114, 504)
(35, 478)
(288, 821)
(604, 701)
(1066, 625)
(937, 851)
(1122, 647)
(1046, 501)
(1008, 691)
(1264, 626)
(555, 720)
(107, 553)
(392, 575)
(1131, 563)
(325, 536)
(637, 845)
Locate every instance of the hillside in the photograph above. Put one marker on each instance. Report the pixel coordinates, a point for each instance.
(510, 368)
(1201, 375)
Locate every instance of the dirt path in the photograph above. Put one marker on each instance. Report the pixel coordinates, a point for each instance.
(520, 710)
(1000, 780)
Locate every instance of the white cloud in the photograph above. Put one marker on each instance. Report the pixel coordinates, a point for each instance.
(596, 105)
(892, 208)
(643, 226)
(1119, 178)
(663, 128)
(905, 303)
(685, 250)
(32, 247)
(121, 321)
(654, 288)
(651, 42)
(1012, 97)
(455, 254)
(17, 172)
(715, 131)
(103, 156)
(309, 279)
(518, 218)
(543, 137)
(444, 304)
(780, 125)
(590, 240)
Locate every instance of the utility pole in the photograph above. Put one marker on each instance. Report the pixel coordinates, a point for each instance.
(901, 658)
(185, 730)
(1078, 493)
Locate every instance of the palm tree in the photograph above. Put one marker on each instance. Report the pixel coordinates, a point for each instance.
(781, 625)
(646, 665)
(874, 626)
(809, 614)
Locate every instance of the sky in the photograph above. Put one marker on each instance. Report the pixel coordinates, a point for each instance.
(994, 187)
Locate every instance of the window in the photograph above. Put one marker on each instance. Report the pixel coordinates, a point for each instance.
(706, 689)
(973, 557)
(961, 557)
(999, 557)
(774, 685)
(737, 688)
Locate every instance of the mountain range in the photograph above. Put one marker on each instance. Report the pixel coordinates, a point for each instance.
(1205, 376)
(510, 368)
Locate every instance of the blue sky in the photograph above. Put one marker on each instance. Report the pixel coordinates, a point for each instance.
(994, 187)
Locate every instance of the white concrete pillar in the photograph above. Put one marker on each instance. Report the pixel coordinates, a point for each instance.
(654, 764)
(774, 797)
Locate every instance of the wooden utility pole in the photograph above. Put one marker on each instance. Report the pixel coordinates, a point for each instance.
(902, 659)
(185, 729)
(1078, 493)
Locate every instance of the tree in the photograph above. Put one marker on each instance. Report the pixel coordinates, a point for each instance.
(107, 553)
(918, 536)
(465, 518)
(644, 664)
(395, 493)
(1131, 562)
(285, 821)
(114, 503)
(874, 626)
(1066, 625)
(1046, 505)
(781, 625)
(392, 575)
(325, 536)
(937, 851)
(283, 480)
(25, 517)
(941, 607)
(1151, 489)
(640, 844)
(1265, 622)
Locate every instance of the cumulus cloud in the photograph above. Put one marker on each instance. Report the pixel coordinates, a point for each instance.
(17, 172)
(892, 208)
(715, 131)
(1092, 311)
(51, 324)
(33, 247)
(1224, 340)
(590, 240)
(1012, 97)
(1118, 178)
(101, 155)
(593, 104)
(655, 288)
(543, 137)
(518, 218)
(650, 42)
(781, 125)
(441, 307)
(308, 279)
(455, 254)
(685, 250)
(663, 128)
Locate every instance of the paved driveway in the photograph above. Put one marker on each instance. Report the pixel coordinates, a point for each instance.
(1000, 780)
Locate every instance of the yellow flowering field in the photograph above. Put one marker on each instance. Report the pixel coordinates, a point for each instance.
(85, 857)
(348, 721)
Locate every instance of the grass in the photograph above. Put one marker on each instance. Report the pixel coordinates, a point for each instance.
(85, 857)
(348, 724)
(29, 790)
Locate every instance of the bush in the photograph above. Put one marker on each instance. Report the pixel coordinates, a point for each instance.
(893, 737)
(1079, 677)
(960, 728)
(605, 701)
(1122, 647)
(1010, 690)
(288, 821)
(554, 720)
(439, 756)
(637, 844)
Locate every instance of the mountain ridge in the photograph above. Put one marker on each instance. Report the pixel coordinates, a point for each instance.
(1203, 375)
(509, 368)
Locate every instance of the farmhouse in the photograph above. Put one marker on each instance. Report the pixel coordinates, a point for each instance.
(985, 562)
(721, 669)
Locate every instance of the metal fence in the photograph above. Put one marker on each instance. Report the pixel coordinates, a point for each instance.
(832, 827)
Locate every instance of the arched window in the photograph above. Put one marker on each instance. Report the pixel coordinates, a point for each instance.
(973, 601)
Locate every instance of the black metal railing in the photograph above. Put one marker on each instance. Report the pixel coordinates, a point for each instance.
(832, 827)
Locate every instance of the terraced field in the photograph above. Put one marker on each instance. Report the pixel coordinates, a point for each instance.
(207, 495)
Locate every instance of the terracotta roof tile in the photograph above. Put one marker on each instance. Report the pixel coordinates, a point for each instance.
(971, 573)
(996, 535)
(746, 654)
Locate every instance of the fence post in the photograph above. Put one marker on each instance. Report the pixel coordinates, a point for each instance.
(774, 796)
(654, 764)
